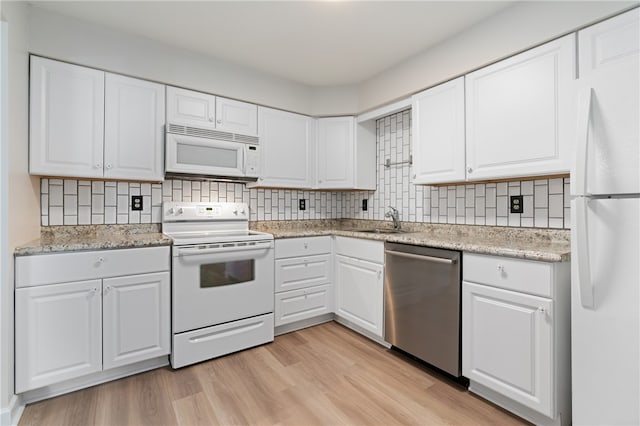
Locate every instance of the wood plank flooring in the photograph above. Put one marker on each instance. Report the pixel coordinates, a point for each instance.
(325, 374)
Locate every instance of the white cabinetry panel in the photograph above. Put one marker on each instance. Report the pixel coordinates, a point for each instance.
(190, 108)
(438, 134)
(136, 318)
(287, 149)
(335, 152)
(305, 303)
(66, 119)
(134, 129)
(236, 116)
(359, 291)
(519, 113)
(508, 344)
(58, 333)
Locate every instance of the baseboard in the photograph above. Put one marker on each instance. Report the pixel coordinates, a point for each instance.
(10, 415)
(299, 325)
(379, 340)
(515, 407)
(92, 380)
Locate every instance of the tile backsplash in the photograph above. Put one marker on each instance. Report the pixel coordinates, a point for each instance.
(546, 201)
(83, 202)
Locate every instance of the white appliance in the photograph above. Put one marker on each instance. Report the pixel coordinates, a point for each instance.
(605, 237)
(211, 153)
(222, 280)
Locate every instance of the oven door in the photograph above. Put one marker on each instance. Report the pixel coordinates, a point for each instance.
(218, 283)
(202, 156)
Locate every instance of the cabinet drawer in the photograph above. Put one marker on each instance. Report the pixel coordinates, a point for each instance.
(370, 250)
(77, 266)
(513, 274)
(301, 304)
(302, 272)
(292, 247)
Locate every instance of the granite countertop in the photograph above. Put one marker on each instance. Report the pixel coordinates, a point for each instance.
(54, 239)
(547, 245)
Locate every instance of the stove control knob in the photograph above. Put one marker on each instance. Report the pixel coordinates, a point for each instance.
(235, 211)
(180, 211)
(171, 211)
(242, 212)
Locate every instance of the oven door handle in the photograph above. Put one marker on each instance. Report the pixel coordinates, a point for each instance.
(197, 251)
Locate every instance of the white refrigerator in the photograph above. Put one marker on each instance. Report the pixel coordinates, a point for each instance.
(605, 230)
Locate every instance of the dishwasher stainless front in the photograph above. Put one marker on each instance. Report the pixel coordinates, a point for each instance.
(422, 303)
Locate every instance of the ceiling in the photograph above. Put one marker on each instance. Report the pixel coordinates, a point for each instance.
(320, 43)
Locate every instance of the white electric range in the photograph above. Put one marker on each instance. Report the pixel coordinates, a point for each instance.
(222, 280)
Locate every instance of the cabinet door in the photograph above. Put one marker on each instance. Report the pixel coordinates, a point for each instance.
(519, 113)
(507, 344)
(236, 117)
(609, 59)
(66, 123)
(438, 134)
(136, 318)
(335, 151)
(58, 333)
(359, 287)
(134, 129)
(301, 304)
(190, 108)
(287, 149)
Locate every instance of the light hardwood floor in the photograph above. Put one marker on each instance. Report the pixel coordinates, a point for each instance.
(321, 375)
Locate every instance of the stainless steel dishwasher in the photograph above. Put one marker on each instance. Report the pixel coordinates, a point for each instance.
(422, 303)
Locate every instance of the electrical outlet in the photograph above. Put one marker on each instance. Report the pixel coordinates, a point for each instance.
(365, 206)
(302, 204)
(517, 205)
(136, 202)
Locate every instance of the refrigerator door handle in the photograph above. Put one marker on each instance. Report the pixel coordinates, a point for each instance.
(582, 243)
(584, 115)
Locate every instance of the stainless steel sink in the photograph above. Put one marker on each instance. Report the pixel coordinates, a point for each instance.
(380, 231)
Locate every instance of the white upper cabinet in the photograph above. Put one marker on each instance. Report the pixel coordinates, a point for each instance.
(609, 57)
(236, 117)
(197, 109)
(134, 129)
(345, 154)
(335, 152)
(519, 113)
(286, 140)
(438, 134)
(88, 123)
(66, 127)
(190, 108)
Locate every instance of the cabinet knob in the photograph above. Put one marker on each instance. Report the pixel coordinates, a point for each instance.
(469, 169)
(94, 290)
(211, 119)
(306, 245)
(542, 310)
(107, 289)
(101, 259)
(379, 274)
(500, 268)
(219, 121)
(98, 165)
(109, 166)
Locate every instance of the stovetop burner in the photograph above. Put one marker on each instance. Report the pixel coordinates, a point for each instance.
(207, 222)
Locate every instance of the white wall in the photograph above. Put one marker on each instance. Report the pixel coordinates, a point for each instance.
(23, 194)
(516, 28)
(73, 40)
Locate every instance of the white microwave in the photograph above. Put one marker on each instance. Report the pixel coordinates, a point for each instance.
(210, 153)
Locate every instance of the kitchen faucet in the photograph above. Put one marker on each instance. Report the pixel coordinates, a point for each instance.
(395, 216)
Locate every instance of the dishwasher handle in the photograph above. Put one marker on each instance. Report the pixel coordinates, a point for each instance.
(421, 257)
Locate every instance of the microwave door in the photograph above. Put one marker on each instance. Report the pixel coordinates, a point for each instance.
(187, 154)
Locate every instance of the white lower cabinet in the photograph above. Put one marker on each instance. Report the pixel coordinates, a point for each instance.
(104, 319)
(515, 335)
(359, 284)
(58, 333)
(303, 285)
(135, 318)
